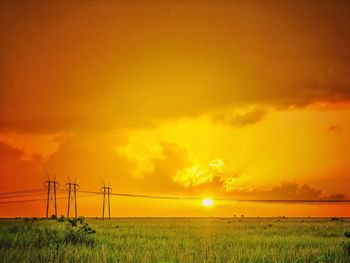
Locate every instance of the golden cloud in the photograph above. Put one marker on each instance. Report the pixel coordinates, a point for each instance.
(98, 67)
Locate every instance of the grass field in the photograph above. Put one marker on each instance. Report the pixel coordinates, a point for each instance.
(176, 240)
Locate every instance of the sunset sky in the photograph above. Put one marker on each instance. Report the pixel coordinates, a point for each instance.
(211, 99)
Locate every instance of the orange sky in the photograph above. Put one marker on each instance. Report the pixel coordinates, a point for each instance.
(233, 99)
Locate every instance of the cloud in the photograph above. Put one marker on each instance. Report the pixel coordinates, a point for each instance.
(169, 167)
(197, 174)
(336, 197)
(19, 170)
(166, 167)
(289, 190)
(173, 158)
(98, 67)
(172, 169)
(335, 128)
(292, 190)
(240, 118)
(92, 159)
(130, 166)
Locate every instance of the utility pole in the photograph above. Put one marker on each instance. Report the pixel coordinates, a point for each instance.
(106, 190)
(51, 186)
(72, 189)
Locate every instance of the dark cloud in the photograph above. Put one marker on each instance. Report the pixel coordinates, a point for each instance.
(101, 65)
(289, 190)
(292, 190)
(237, 119)
(19, 170)
(336, 197)
(336, 128)
(160, 179)
(92, 159)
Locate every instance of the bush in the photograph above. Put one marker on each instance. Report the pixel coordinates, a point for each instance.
(61, 219)
(347, 234)
(53, 217)
(79, 232)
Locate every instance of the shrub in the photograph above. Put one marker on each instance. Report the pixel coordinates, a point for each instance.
(53, 217)
(61, 219)
(347, 234)
(78, 231)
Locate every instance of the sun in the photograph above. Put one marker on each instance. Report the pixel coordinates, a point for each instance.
(207, 202)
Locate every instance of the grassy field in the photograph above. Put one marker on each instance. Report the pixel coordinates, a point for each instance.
(176, 240)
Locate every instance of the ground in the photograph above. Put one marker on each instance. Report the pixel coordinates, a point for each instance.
(176, 240)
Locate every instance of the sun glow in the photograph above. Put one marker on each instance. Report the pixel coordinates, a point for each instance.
(207, 202)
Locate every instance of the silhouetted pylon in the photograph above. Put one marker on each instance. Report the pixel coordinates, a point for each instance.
(51, 186)
(106, 190)
(72, 189)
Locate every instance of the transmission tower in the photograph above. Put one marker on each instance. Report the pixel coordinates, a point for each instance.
(72, 189)
(106, 190)
(51, 186)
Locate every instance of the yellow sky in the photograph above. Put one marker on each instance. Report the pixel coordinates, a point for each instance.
(198, 98)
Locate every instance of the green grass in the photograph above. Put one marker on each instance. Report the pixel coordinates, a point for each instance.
(178, 240)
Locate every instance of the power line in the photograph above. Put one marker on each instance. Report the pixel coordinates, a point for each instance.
(225, 199)
(194, 198)
(329, 201)
(37, 200)
(21, 191)
(21, 201)
(22, 195)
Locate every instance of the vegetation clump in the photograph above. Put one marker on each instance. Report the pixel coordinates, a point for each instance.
(78, 231)
(53, 216)
(61, 219)
(347, 234)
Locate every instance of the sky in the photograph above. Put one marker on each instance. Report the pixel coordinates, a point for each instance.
(209, 99)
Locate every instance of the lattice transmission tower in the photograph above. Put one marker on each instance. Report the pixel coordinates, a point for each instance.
(72, 189)
(52, 187)
(106, 190)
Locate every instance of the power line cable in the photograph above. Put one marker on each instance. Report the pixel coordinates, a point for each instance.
(194, 198)
(21, 191)
(22, 195)
(35, 200)
(226, 199)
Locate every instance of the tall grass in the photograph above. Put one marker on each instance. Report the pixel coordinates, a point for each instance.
(177, 240)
